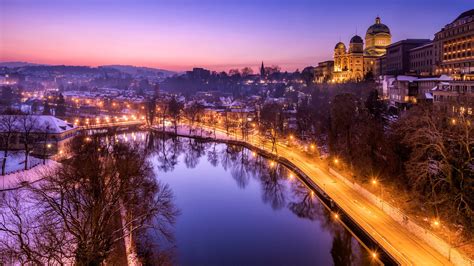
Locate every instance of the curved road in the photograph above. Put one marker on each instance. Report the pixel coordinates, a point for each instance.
(406, 248)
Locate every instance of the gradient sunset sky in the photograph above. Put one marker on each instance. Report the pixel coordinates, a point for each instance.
(219, 35)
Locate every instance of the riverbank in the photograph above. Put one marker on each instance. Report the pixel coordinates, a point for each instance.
(20, 177)
(397, 240)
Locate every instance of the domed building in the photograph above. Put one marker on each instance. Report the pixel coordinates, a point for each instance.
(355, 63)
(377, 39)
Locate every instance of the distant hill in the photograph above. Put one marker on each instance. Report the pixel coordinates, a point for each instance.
(18, 64)
(144, 72)
(141, 71)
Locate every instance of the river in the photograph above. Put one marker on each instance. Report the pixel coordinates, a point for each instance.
(239, 208)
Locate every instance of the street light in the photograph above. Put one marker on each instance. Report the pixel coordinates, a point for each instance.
(336, 161)
(436, 222)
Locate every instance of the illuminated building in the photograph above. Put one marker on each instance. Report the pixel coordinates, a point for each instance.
(323, 72)
(356, 62)
(454, 46)
(456, 96)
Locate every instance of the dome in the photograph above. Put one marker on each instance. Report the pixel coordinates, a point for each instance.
(378, 27)
(340, 45)
(357, 39)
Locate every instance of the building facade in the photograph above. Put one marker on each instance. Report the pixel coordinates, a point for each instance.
(397, 56)
(323, 72)
(355, 63)
(46, 132)
(456, 96)
(454, 46)
(422, 60)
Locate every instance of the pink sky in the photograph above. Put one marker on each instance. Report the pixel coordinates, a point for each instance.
(219, 35)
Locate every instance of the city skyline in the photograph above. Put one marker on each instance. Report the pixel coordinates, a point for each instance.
(215, 35)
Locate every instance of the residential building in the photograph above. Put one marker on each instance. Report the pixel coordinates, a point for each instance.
(402, 91)
(456, 96)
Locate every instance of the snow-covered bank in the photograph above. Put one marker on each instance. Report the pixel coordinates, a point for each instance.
(15, 180)
(16, 161)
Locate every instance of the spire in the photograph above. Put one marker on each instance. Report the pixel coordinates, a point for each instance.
(377, 20)
(262, 70)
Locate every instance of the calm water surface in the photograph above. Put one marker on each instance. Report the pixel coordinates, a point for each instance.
(238, 208)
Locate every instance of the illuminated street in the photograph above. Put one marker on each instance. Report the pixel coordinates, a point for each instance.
(400, 243)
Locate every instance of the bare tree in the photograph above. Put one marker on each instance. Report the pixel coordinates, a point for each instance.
(28, 126)
(8, 129)
(440, 164)
(193, 113)
(150, 106)
(175, 109)
(271, 121)
(247, 71)
(44, 132)
(99, 198)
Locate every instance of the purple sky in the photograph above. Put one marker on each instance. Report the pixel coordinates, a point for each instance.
(219, 35)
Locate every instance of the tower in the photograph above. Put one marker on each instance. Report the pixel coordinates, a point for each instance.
(262, 71)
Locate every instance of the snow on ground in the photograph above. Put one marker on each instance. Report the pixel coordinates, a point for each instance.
(16, 175)
(16, 161)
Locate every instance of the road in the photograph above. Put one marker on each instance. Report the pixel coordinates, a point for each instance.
(396, 240)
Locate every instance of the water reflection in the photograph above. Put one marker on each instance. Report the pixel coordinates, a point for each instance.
(318, 238)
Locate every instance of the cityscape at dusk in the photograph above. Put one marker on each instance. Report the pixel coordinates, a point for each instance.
(182, 132)
(219, 35)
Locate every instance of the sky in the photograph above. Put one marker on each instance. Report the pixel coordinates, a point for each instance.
(218, 35)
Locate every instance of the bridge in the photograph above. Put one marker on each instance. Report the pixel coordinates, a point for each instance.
(121, 125)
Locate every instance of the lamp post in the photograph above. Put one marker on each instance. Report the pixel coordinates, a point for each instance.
(375, 183)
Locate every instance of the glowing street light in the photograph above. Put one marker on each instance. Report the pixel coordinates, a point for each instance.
(374, 181)
(436, 222)
(374, 255)
(336, 161)
(48, 146)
